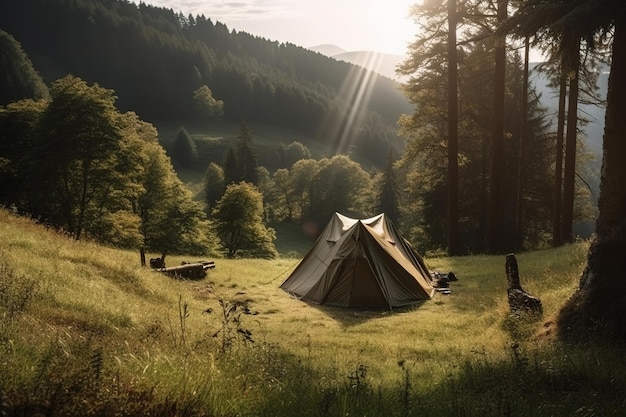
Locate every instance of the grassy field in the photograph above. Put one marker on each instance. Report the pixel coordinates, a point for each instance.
(85, 330)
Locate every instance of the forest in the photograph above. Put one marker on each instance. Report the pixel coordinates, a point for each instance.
(163, 66)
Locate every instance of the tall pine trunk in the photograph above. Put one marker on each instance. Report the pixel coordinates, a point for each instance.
(519, 207)
(612, 199)
(557, 235)
(453, 134)
(569, 174)
(599, 304)
(494, 221)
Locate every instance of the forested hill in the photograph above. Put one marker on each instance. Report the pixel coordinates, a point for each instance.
(156, 58)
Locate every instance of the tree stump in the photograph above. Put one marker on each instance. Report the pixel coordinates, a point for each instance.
(519, 300)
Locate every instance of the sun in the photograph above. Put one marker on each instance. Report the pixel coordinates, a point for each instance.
(392, 27)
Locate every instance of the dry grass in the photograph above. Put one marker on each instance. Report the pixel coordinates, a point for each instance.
(155, 331)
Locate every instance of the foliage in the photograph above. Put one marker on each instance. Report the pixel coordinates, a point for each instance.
(231, 328)
(214, 185)
(80, 165)
(338, 185)
(19, 79)
(294, 152)
(81, 159)
(238, 222)
(19, 124)
(207, 106)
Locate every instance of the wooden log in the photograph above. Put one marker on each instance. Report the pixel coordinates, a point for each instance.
(190, 271)
(206, 264)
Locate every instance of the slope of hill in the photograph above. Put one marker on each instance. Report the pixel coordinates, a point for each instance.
(156, 59)
(84, 329)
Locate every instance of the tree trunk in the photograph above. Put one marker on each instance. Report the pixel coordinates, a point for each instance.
(494, 221)
(599, 305)
(453, 134)
(569, 175)
(521, 151)
(557, 236)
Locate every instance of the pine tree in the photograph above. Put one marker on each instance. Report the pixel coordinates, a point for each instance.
(387, 198)
(246, 157)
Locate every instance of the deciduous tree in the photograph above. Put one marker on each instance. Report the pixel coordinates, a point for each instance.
(238, 222)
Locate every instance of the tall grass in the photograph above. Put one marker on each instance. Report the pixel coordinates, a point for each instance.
(84, 330)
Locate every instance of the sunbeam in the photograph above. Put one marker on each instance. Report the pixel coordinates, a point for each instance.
(339, 127)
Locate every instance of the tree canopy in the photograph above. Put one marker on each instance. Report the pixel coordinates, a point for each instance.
(238, 221)
(78, 164)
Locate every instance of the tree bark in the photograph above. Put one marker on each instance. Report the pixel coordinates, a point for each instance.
(453, 134)
(494, 221)
(557, 236)
(569, 175)
(521, 151)
(612, 199)
(598, 307)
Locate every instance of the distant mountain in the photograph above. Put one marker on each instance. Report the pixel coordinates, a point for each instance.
(328, 50)
(381, 63)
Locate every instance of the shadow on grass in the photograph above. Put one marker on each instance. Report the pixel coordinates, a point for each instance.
(556, 381)
(353, 316)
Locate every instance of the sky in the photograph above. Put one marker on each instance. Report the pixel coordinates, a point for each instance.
(353, 25)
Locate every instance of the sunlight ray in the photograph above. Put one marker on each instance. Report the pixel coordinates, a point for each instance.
(356, 92)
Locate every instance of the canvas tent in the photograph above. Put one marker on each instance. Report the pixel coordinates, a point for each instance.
(361, 263)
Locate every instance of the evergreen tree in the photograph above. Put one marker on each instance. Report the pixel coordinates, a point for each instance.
(425, 159)
(246, 157)
(185, 152)
(231, 173)
(495, 221)
(19, 79)
(387, 198)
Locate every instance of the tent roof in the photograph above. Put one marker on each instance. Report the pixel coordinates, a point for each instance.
(360, 263)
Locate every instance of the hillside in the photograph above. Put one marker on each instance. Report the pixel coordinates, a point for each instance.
(156, 59)
(84, 329)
